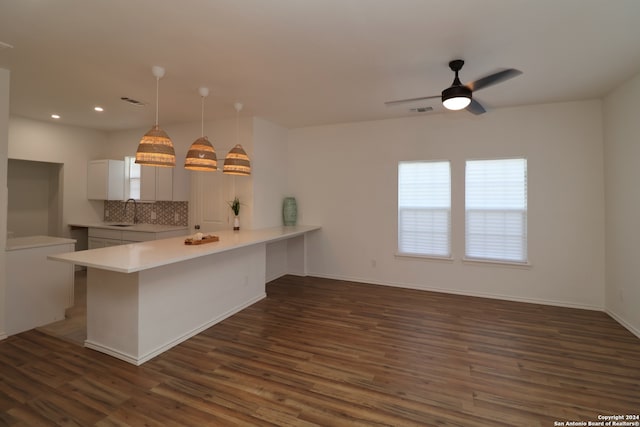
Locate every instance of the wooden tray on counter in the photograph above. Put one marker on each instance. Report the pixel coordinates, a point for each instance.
(205, 239)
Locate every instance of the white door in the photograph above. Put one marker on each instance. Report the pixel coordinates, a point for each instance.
(208, 207)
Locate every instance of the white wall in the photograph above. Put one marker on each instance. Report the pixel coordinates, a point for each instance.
(71, 146)
(270, 188)
(345, 179)
(33, 190)
(4, 143)
(269, 171)
(622, 175)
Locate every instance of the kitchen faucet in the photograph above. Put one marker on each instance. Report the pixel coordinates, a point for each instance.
(135, 209)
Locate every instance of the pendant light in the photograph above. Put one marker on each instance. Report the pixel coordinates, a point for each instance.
(237, 162)
(156, 148)
(201, 155)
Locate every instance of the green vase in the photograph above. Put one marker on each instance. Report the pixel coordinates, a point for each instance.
(289, 211)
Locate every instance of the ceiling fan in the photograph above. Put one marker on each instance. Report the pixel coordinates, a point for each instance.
(459, 96)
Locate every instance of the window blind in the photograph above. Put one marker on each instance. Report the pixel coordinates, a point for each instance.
(134, 178)
(496, 209)
(424, 208)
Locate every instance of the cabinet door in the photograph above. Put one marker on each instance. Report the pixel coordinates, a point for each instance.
(156, 183)
(97, 242)
(105, 180)
(97, 180)
(148, 183)
(164, 184)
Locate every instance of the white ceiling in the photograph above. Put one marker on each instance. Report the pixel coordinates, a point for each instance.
(304, 62)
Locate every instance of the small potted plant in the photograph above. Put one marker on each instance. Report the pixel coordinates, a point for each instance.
(235, 207)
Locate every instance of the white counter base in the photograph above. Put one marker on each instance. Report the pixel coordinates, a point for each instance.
(39, 290)
(136, 316)
(144, 298)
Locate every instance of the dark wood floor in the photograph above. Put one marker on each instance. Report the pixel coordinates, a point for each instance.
(324, 352)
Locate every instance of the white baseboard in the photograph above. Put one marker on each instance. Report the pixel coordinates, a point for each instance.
(153, 353)
(111, 352)
(422, 287)
(277, 276)
(619, 319)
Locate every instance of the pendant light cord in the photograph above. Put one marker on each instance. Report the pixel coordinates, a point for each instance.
(157, 97)
(202, 119)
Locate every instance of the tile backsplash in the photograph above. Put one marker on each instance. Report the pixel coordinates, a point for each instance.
(166, 213)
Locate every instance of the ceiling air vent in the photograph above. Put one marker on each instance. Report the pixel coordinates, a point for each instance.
(132, 101)
(421, 109)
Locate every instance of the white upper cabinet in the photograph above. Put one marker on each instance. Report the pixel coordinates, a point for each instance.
(156, 183)
(147, 183)
(105, 180)
(164, 184)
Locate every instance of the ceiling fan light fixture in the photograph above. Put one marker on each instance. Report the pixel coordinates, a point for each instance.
(456, 97)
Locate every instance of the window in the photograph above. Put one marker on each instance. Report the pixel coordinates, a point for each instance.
(424, 208)
(496, 210)
(132, 181)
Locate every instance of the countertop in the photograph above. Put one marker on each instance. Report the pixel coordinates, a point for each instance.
(19, 243)
(145, 228)
(145, 255)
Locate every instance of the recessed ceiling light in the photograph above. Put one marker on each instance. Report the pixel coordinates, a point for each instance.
(98, 109)
(55, 116)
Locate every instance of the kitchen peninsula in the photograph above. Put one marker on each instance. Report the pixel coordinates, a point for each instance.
(144, 298)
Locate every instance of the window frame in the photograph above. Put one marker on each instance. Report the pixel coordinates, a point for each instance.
(401, 253)
(524, 212)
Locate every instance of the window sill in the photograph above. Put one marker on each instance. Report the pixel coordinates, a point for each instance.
(424, 257)
(497, 263)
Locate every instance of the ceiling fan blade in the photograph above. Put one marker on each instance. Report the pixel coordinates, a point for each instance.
(402, 101)
(493, 79)
(475, 107)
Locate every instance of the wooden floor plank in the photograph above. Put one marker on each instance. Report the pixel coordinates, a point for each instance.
(333, 353)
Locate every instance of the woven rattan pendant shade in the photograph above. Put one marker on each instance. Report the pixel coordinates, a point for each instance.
(155, 147)
(201, 156)
(237, 162)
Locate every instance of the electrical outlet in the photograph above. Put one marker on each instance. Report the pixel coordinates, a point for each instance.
(106, 214)
(177, 217)
(153, 215)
